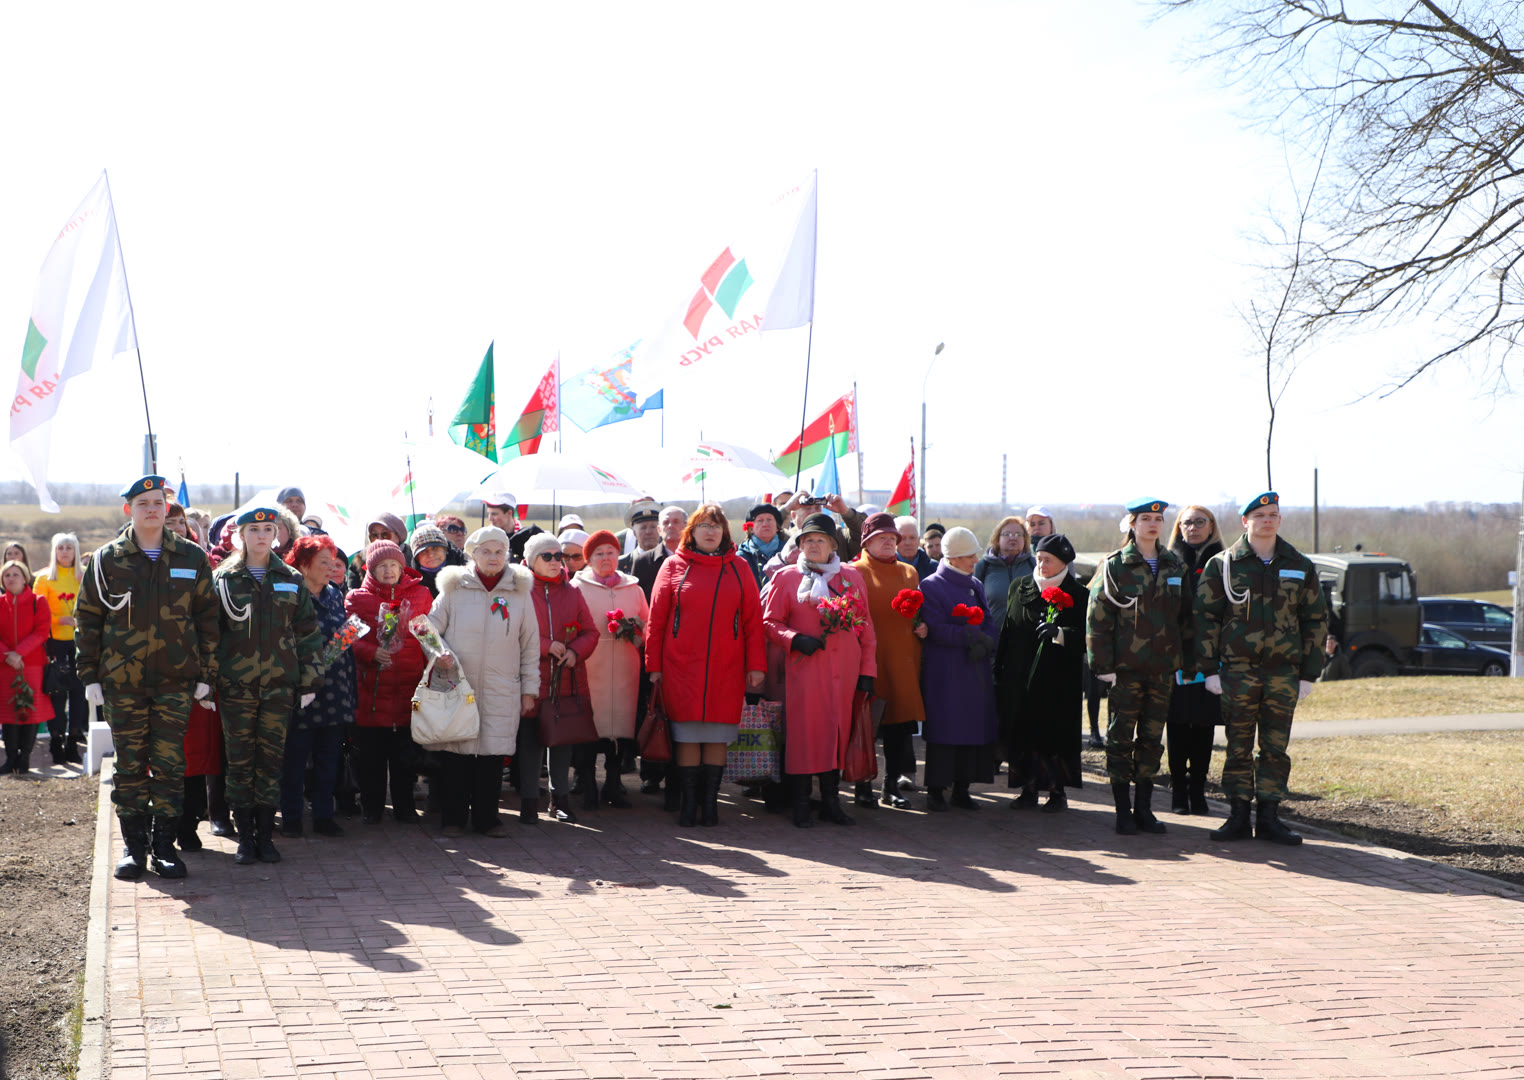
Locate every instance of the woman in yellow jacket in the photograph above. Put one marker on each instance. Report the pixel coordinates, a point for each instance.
(58, 584)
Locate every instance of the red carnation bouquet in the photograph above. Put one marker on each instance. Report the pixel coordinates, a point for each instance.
(907, 602)
(973, 615)
(840, 613)
(1057, 600)
(571, 630)
(23, 700)
(624, 627)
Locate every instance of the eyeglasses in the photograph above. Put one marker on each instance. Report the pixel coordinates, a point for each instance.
(1195, 523)
(1013, 536)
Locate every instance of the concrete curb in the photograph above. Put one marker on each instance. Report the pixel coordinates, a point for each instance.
(92, 1042)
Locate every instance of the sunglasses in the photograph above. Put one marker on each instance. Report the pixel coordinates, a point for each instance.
(554, 556)
(460, 529)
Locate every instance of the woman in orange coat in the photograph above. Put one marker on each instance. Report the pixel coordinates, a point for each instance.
(25, 625)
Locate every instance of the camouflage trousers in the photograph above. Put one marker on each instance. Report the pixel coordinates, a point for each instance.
(1136, 708)
(1259, 702)
(254, 723)
(148, 731)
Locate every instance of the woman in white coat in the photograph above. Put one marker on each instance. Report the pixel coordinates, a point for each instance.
(485, 614)
(613, 670)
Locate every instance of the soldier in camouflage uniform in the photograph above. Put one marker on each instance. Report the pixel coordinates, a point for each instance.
(1138, 635)
(147, 641)
(266, 668)
(1260, 621)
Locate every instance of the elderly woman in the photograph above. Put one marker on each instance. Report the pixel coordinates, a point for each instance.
(613, 670)
(267, 652)
(956, 682)
(1193, 713)
(384, 526)
(1040, 694)
(910, 551)
(573, 553)
(764, 537)
(25, 624)
(567, 638)
(388, 664)
(432, 552)
(704, 653)
(898, 683)
(486, 618)
(1006, 560)
(826, 665)
(58, 584)
(316, 733)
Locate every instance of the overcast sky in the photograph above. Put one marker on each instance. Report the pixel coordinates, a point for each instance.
(328, 211)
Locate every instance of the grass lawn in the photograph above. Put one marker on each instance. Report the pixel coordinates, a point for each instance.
(1412, 695)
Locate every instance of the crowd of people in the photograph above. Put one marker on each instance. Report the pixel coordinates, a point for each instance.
(248, 669)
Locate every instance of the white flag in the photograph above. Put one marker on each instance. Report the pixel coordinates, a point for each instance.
(80, 315)
(764, 279)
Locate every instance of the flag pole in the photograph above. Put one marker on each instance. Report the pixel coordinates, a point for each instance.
(153, 446)
(804, 408)
(857, 433)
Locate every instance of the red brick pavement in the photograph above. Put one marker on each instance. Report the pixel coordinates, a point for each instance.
(964, 945)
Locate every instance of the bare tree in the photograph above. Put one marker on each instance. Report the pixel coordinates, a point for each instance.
(1421, 211)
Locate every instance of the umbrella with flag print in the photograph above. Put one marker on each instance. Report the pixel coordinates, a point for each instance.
(550, 477)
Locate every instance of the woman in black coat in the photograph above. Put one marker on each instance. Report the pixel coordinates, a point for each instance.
(1193, 713)
(1041, 711)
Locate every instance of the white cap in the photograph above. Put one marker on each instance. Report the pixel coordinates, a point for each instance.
(570, 521)
(572, 536)
(1040, 510)
(502, 498)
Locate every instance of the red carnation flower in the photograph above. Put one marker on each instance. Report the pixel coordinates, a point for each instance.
(1058, 598)
(975, 616)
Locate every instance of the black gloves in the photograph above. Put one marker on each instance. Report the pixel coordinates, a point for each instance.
(1047, 631)
(865, 683)
(805, 644)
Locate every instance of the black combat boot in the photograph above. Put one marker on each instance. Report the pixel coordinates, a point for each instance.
(710, 777)
(1143, 810)
(1121, 794)
(1237, 826)
(135, 840)
(248, 846)
(688, 790)
(830, 799)
(1268, 825)
(166, 860)
(217, 811)
(264, 834)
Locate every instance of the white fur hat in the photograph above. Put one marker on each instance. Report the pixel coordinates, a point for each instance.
(958, 542)
(486, 534)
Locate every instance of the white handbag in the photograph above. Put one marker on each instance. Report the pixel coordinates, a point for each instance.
(444, 716)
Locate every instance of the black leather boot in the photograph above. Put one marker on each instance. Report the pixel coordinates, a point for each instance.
(529, 811)
(710, 777)
(830, 799)
(1197, 795)
(892, 796)
(936, 802)
(863, 794)
(264, 837)
(1143, 810)
(614, 793)
(1268, 825)
(166, 860)
(217, 811)
(688, 792)
(801, 790)
(1121, 794)
(961, 798)
(186, 835)
(560, 807)
(1179, 800)
(672, 793)
(1237, 826)
(248, 846)
(135, 840)
(590, 794)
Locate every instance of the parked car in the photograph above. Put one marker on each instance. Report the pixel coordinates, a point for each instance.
(1475, 620)
(1444, 652)
(1372, 609)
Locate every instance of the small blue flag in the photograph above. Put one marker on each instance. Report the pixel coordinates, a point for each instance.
(183, 495)
(829, 482)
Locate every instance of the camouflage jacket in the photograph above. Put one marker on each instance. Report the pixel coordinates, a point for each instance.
(270, 632)
(1139, 621)
(1279, 618)
(163, 629)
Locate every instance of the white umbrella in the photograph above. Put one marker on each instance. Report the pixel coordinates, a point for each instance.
(716, 470)
(548, 477)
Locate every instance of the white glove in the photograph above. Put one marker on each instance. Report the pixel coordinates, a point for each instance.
(1214, 684)
(307, 699)
(1109, 680)
(1304, 689)
(204, 696)
(93, 695)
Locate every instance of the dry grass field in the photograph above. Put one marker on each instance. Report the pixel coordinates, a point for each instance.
(1412, 695)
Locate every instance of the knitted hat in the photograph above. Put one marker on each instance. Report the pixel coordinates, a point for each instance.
(485, 535)
(1057, 544)
(538, 545)
(879, 524)
(573, 536)
(290, 493)
(958, 542)
(599, 539)
(381, 550)
(427, 535)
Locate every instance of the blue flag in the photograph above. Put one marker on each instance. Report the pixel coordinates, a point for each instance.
(183, 495)
(829, 482)
(599, 396)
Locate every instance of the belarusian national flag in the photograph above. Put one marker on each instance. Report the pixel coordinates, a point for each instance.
(902, 502)
(834, 430)
(542, 416)
(475, 422)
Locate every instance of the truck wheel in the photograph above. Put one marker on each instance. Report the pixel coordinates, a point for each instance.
(1374, 664)
(1494, 667)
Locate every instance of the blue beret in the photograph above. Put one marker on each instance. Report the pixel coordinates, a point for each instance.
(145, 483)
(1264, 498)
(259, 513)
(1147, 506)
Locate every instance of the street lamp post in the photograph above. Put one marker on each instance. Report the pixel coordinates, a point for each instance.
(920, 501)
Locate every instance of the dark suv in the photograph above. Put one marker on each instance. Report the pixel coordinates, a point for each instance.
(1475, 620)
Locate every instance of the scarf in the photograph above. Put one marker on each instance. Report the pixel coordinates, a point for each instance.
(815, 580)
(489, 580)
(609, 582)
(1048, 583)
(769, 549)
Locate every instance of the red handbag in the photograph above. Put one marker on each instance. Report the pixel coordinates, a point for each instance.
(654, 740)
(566, 719)
(860, 762)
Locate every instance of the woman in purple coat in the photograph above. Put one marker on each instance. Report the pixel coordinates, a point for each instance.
(956, 678)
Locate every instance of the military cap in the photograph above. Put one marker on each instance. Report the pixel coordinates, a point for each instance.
(1147, 506)
(644, 510)
(1264, 498)
(145, 483)
(256, 515)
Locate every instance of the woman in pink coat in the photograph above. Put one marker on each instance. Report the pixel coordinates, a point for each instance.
(25, 626)
(825, 668)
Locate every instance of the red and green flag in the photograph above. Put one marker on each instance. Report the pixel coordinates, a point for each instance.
(541, 417)
(902, 501)
(833, 431)
(475, 422)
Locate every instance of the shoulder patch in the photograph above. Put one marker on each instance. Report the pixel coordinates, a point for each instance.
(1172, 581)
(284, 586)
(182, 572)
(1295, 574)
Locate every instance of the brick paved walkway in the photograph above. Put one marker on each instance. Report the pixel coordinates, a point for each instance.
(960, 945)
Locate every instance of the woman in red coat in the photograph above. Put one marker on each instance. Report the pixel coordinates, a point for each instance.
(388, 664)
(704, 651)
(26, 623)
(567, 638)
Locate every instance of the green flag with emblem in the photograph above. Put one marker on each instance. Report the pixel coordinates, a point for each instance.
(475, 423)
